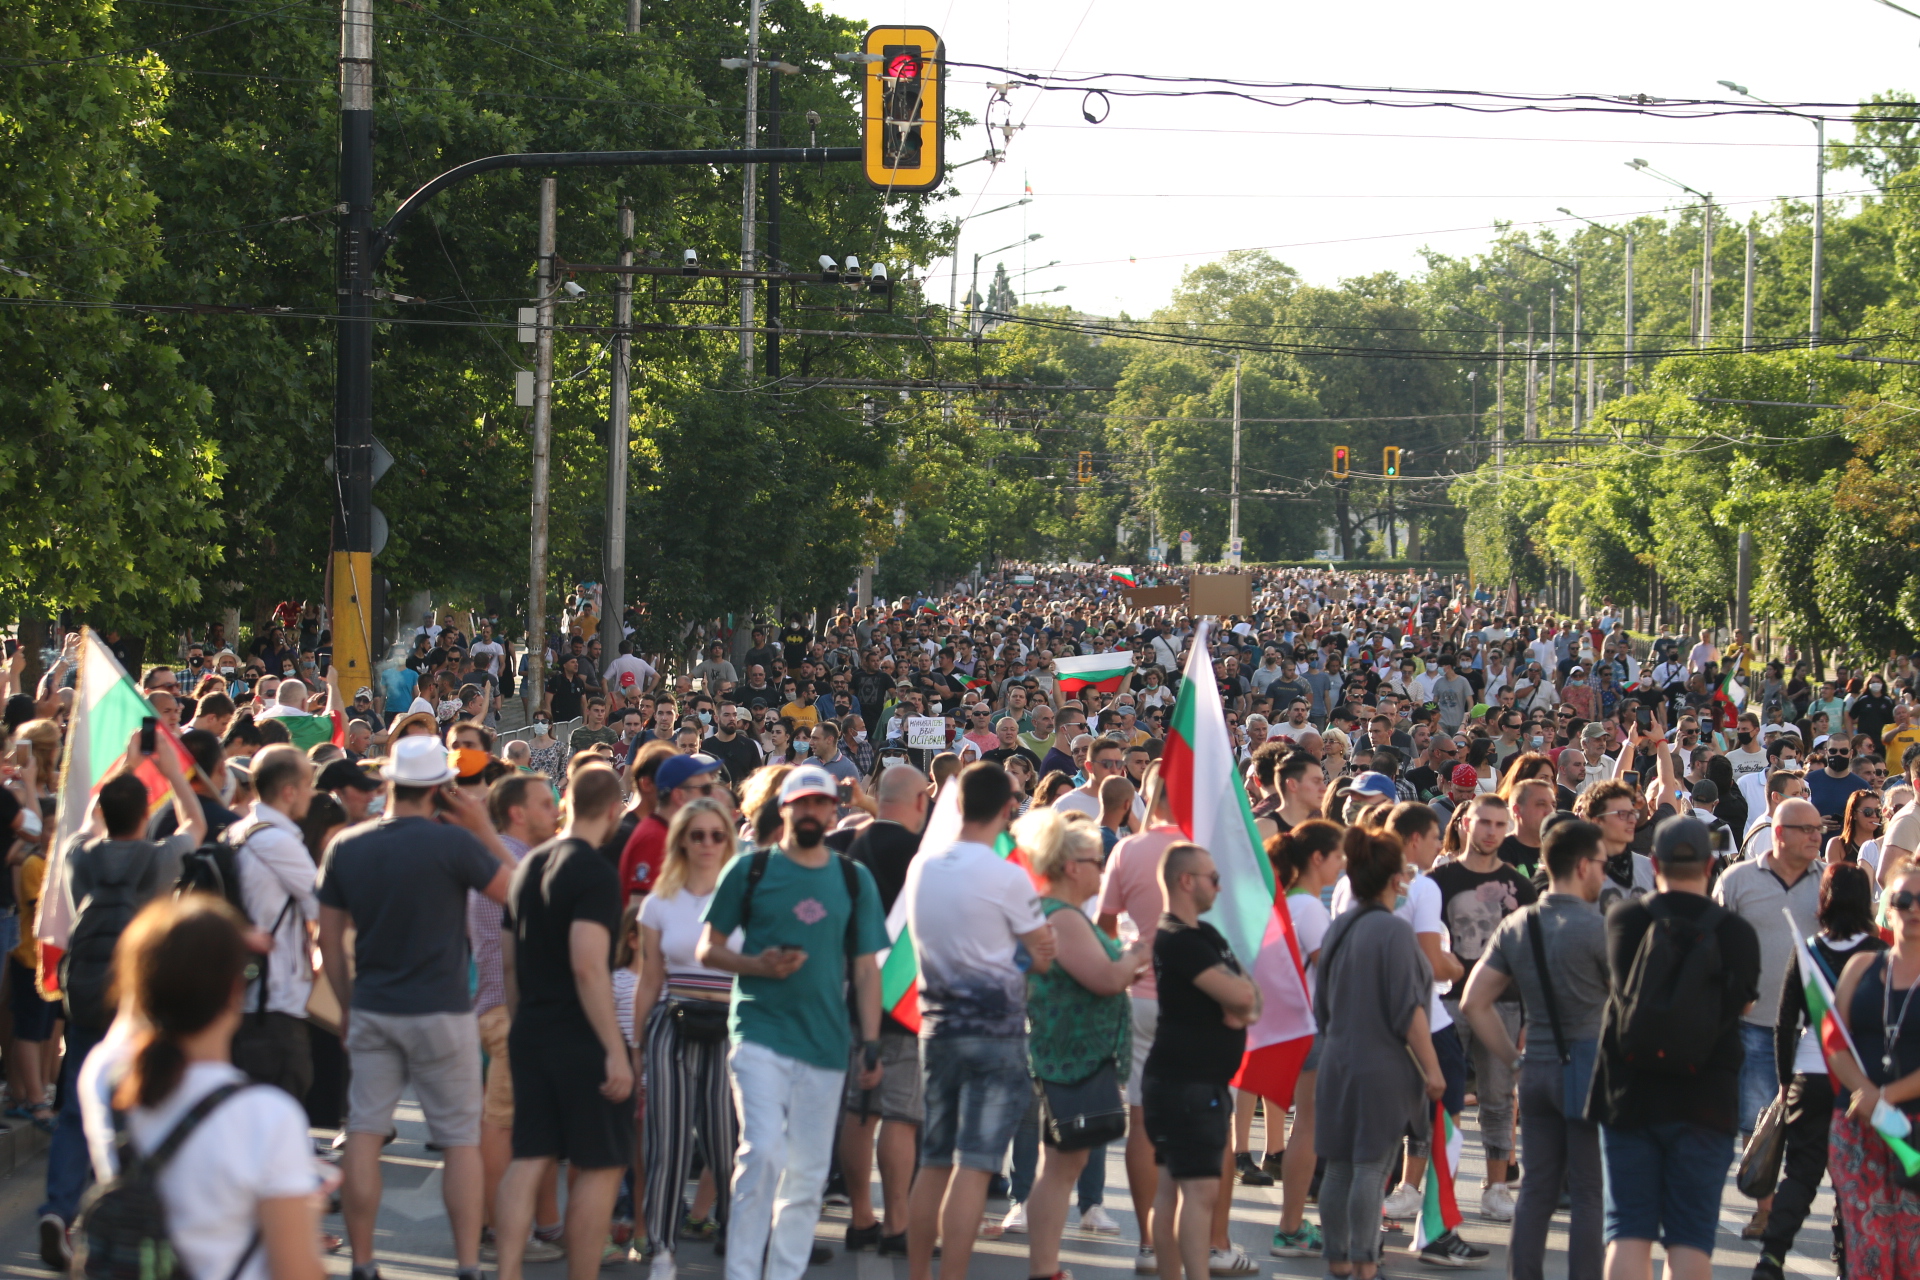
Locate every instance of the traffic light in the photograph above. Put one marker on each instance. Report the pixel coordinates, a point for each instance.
(1390, 461)
(1339, 462)
(1085, 475)
(901, 119)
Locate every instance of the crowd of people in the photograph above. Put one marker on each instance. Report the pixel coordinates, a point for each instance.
(1535, 868)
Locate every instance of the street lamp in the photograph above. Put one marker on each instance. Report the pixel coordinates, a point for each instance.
(1552, 379)
(953, 281)
(1705, 335)
(1233, 508)
(1626, 362)
(973, 290)
(1819, 200)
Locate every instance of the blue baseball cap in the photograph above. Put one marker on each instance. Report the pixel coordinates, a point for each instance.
(1372, 781)
(678, 771)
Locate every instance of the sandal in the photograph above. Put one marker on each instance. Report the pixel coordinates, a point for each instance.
(43, 1116)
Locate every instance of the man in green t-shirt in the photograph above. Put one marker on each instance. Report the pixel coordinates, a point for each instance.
(791, 1043)
(594, 729)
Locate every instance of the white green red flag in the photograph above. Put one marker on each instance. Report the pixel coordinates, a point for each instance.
(107, 711)
(1439, 1211)
(305, 729)
(1209, 805)
(1123, 578)
(1836, 1042)
(1106, 672)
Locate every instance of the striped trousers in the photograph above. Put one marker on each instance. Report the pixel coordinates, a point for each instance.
(689, 1100)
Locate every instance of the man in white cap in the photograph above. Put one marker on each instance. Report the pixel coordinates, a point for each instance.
(808, 915)
(406, 1014)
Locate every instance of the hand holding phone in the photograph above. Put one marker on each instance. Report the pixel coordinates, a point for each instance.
(147, 726)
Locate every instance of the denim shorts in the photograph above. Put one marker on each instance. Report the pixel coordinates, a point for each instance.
(1663, 1182)
(977, 1090)
(1759, 1075)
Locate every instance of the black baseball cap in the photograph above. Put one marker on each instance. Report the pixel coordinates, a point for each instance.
(1681, 839)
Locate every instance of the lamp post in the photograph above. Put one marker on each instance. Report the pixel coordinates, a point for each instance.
(1819, 201)
(1705, 336)
(1574, 267)
(973, 290)
(1626, 362)
(953, 281)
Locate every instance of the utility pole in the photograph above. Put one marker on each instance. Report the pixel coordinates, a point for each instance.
(352, 560)
(1233, 510)
(1530, 427)
(1706, 274)
(633, 17)
(1500, 395)
(1573, 394)
(619, 425)
(1819, 225)
(1553, 353)
(1743, 583)
(748, 204)
(1746, 311)
(773, 236)
(542, 442)
(1626, 359)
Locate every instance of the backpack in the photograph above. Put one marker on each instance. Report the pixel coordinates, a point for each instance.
(1671, 1010)
(86, 970)
(215, 866)
(849, 871)
(122, 1232)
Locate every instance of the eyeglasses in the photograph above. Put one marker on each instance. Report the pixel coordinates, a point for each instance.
(1814, 827)
(1618, 813)
(707, 837)
(1904, 901)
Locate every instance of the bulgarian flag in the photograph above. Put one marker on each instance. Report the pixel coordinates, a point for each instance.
(1836, 1042)
(107, 710)
(1103, 671)
(307, 730)
(900, 966)
(1210, 807)
(1439, 1212)
(1123, 578)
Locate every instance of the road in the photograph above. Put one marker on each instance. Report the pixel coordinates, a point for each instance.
(413, 1243)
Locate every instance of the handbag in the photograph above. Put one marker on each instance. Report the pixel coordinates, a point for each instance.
(1759, 1171)
(1576, 1057)
(698, 1021)
(1084, 1114)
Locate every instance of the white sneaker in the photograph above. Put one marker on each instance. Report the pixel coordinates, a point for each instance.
(1144, 1263)
(539, 1250)
(1015, 1223)
(663, 1268)
(1404, 1201)
(1095, 1219)
(1496, 1203)
(1231, 1262)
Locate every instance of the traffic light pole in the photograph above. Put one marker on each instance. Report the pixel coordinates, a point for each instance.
(351, 567)
(1233, 509)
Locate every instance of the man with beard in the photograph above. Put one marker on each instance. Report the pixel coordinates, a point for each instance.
(807, 914)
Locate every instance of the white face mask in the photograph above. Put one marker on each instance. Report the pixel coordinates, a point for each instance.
(541, 726)
(1876, 687)
(377, 805)
(859, 735)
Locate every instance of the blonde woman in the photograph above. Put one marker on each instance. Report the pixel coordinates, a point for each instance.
(683, 1006)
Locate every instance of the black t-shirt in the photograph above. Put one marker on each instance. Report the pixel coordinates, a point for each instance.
(1473, 903)
(1634, 1099)
(738, 758)
(562, 881)
(1424, 780)
(1516, 852)
(793, 642)
(1871, 713)
(1000, 756)
(568, 694)
(1192, 1043)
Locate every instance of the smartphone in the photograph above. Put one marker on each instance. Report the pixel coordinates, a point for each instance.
(1645, 719)
(147, 726)
(845, 788)
(1631, 778)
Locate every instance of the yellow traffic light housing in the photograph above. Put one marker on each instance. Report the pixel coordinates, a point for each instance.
(1390, 461)
(1340, 468)
(1086, 467)
(901, 119)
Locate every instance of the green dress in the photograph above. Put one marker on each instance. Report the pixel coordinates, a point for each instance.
(1072, 1032)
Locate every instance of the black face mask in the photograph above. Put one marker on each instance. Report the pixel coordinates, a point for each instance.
(1745, 738)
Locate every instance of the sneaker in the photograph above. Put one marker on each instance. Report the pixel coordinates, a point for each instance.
(1272, 1164)
(1496, 1203)
(539, 1250)
(663, 1268)
(1015, 1223)
(1144, 1263)
(1232, 1261)
(1768, 1268)
(488, 1251)
(1451, 1251)
(1251, 1174)
(1403, 1202)
(1094, 1219)
(867, 1237)
(55, 1251)
(1756, 1227)
(836, 1200)
(1304, 1243)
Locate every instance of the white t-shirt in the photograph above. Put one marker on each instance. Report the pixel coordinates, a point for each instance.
(1753, 760)
(628, 672)
(253, 1147)
(967, 907)
(1075, 801)
(1419, 907)
(1311, 920)
(679, 921)
(625, 983)
(486, 655)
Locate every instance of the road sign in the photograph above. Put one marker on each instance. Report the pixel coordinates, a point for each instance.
(1186, 535)
(902, 119)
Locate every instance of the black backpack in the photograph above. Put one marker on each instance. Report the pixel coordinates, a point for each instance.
(1671, 1010)
(86, 970)
(122, 1233)
(215, 867)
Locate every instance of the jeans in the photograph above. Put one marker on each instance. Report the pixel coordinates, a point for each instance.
(977, 1091)
(1809, 1122)
(1092, 1187)
(1759, 1076)
(1494, 1079)
(1350, 1195)
(1557, 1147)
(789, 1113)
(1663, 1182)
(69, 1165)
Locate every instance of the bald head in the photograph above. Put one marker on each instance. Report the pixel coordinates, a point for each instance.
(1797, 833)
(900, 784)
(292, 693)
(1795, 813)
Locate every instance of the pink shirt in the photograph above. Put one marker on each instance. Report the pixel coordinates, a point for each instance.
(1133, 889)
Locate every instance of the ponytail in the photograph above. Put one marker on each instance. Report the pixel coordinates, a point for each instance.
(1374, 858)
(1291, 852)
(179, 967)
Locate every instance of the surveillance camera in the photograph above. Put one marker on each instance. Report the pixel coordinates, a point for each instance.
(877, 281)
(573, 290)
(853, 266)
(829, 268)
(689, 262)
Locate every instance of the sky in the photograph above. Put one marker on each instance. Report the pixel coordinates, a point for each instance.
(1339, 191)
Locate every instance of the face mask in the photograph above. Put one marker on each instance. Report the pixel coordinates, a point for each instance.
(706, 717)
(226, 671)
(859, 735)
(1875, 687)
(1788, 762)
(803, 747)
(1537, 739)
(541, 726)
(377, 805)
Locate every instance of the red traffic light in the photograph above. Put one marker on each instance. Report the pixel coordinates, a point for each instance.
(902, 66)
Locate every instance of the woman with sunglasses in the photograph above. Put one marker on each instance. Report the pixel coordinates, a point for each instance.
(683, 1005)
(1880, 1216)
(1859, 829)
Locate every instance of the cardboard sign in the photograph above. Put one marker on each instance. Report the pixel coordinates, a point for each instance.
(1220, 594)
(927, 733)
(1155, 597)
